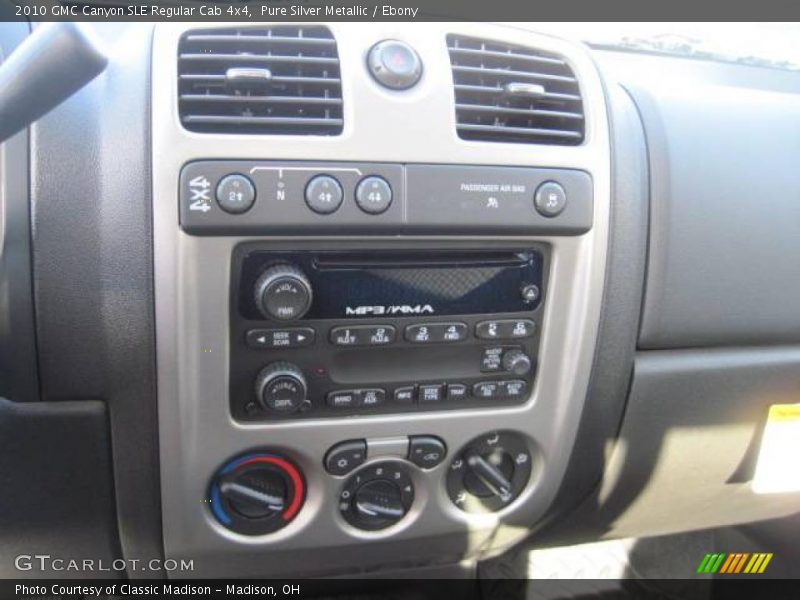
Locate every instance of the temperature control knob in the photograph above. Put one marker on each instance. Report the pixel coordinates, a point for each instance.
(281, 387)
(257, 493)
(490, 472)
(283, 293)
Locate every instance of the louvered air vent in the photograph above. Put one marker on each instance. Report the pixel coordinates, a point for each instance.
(277, 80)
(507, 93)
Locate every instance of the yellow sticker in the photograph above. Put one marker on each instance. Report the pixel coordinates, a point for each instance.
(784, 412)
(776, 469)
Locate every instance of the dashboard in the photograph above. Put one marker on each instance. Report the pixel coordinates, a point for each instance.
(352, 299)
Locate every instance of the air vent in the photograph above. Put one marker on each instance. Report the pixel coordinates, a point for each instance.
(277, 80)
(508, 93)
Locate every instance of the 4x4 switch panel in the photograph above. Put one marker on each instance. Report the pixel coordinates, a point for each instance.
(224, 197)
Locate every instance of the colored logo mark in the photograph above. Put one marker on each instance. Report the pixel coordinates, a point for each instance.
(735, 563)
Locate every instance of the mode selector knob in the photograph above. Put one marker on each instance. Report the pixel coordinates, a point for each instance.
(283, 292)
(517, 362)
(281, 387)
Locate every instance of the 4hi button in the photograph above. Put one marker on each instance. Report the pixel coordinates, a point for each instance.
(373, 195)
(235, 194)
(324, 194)
(550, 199)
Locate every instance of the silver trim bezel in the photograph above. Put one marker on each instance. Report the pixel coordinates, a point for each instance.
(192, 277)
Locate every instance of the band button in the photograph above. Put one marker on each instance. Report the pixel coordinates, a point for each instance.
(343, 399)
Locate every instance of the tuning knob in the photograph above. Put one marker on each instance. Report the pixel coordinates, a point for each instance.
(281, 387)
(517, 362)
(283, 293)
(257, 493)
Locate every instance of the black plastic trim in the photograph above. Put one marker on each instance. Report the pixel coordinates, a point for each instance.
(18, 364)
(93, 259)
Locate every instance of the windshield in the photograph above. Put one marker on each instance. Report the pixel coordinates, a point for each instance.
(764, 44)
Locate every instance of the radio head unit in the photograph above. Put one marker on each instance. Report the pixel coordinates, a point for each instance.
(323, 333)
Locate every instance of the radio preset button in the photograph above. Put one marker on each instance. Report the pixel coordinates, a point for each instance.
(235, 194)
(324, 194)
(363, 335)
(404, 395)
(345, 456)
(435, 333)
(280, 338)
(373, 195)
(505, 329)
(456, 391)
(430, 393)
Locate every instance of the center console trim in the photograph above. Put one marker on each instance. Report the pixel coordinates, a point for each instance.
(192, 276)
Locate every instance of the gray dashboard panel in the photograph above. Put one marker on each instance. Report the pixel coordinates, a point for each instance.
(685, 454)
(192, 276)
(724, 142)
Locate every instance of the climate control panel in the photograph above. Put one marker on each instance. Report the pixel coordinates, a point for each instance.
(325, 334)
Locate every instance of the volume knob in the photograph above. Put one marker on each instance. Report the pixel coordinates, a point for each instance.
(283, 292)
